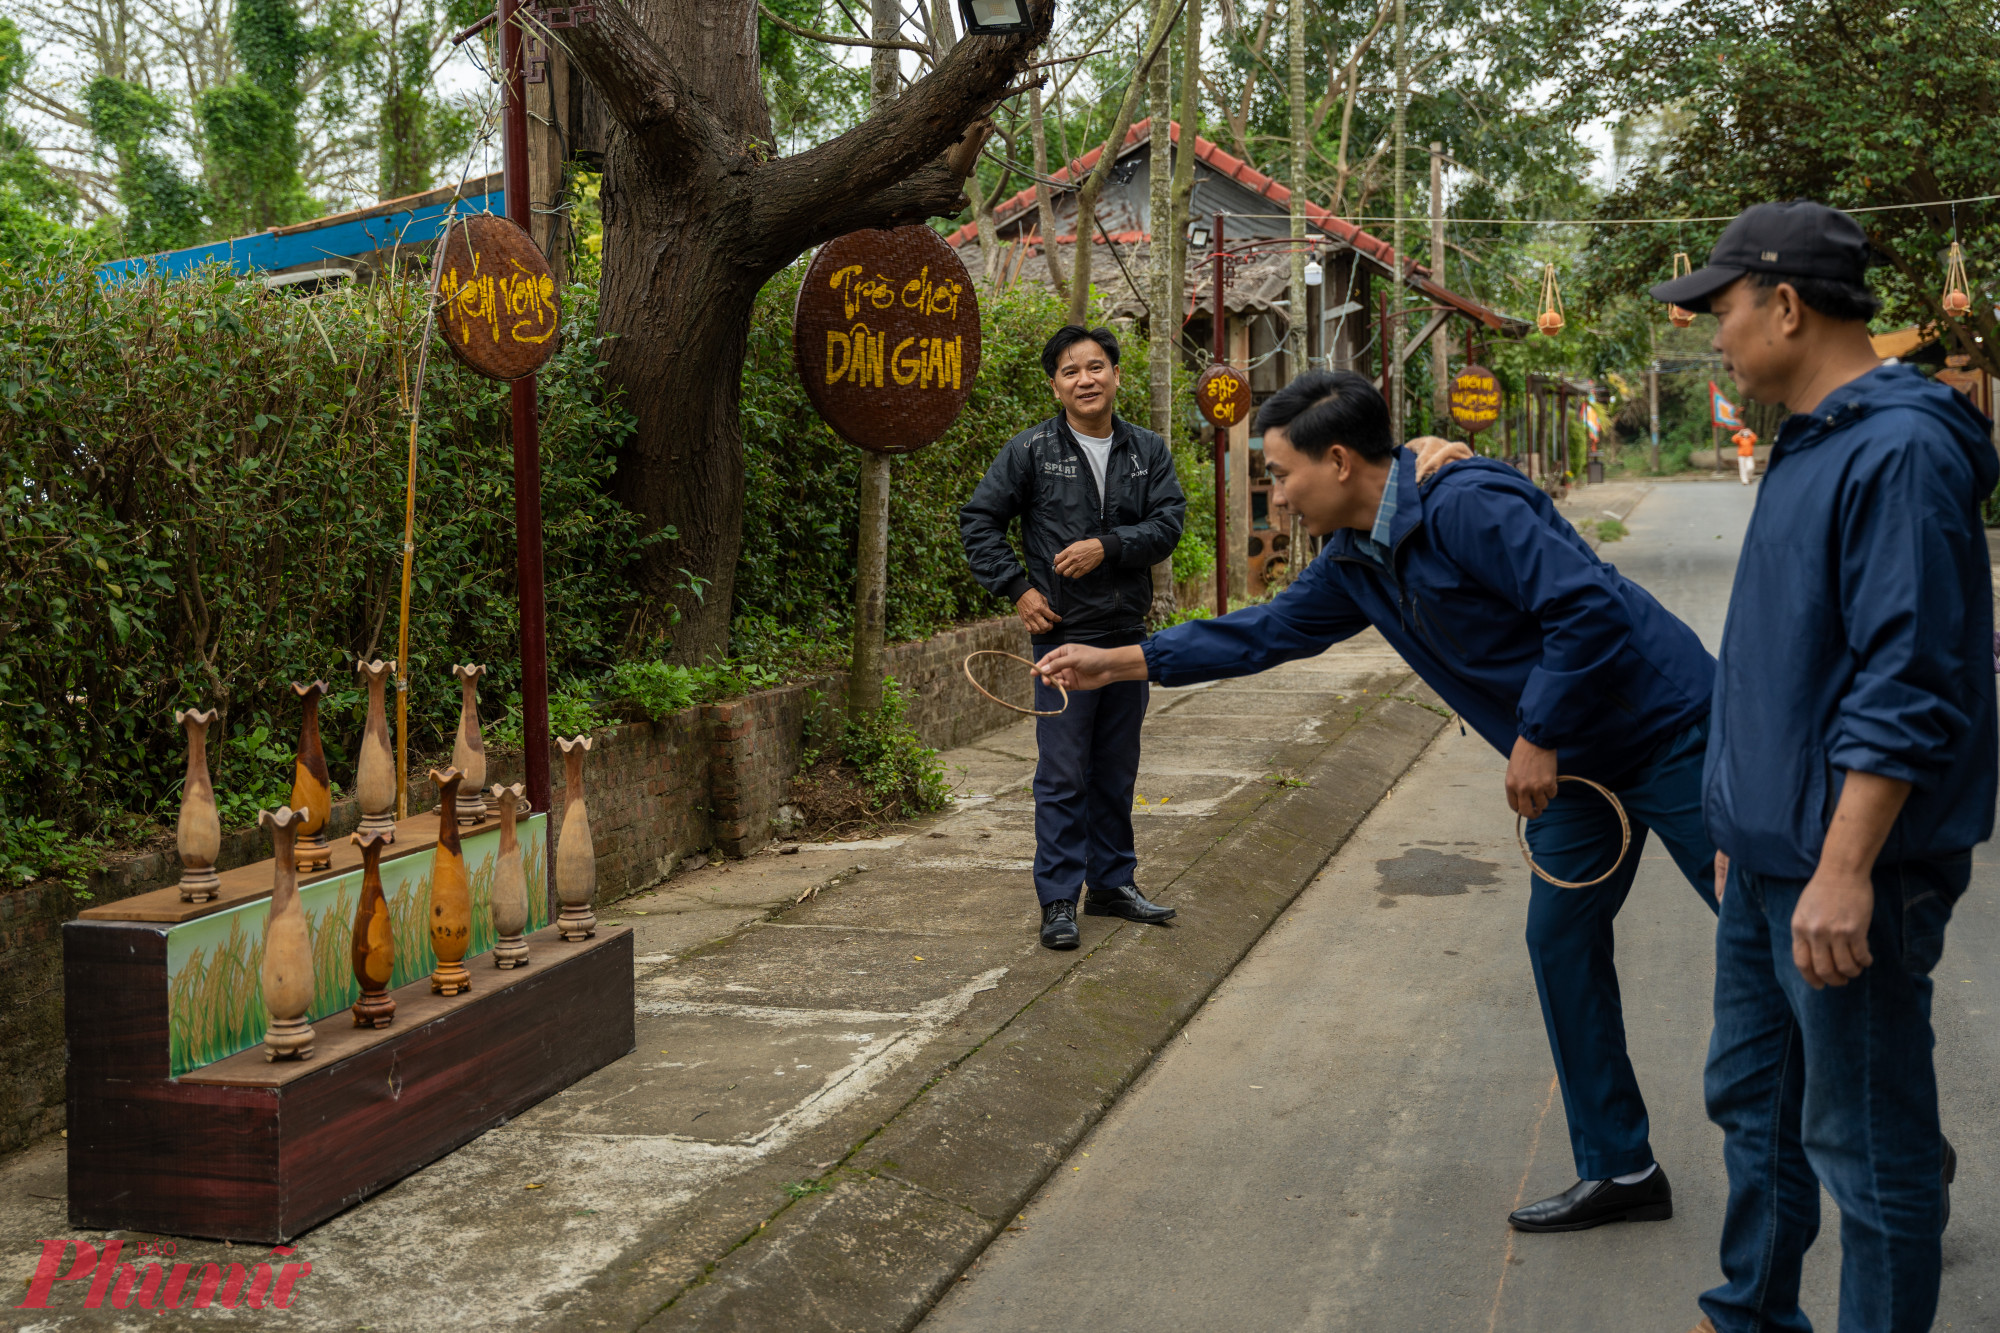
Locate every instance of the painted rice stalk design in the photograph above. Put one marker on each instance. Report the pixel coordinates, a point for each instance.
(217, 1002)
(333, 975)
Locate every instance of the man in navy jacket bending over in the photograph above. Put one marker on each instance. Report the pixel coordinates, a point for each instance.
(1556, 659)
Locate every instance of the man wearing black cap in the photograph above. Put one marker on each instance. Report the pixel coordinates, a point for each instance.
(1851, 769)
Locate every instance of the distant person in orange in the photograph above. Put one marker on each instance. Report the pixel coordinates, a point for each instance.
(1746, 454)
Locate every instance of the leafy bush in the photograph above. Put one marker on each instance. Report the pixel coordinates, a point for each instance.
(894, 765)
(201, 499)
(33, 848)
(657, 689)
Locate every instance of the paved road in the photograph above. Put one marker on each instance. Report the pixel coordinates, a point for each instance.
(1335, 1141)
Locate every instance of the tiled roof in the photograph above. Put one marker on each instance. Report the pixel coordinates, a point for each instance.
(1236, 169)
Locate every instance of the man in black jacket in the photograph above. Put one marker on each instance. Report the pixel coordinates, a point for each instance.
(1099, 506)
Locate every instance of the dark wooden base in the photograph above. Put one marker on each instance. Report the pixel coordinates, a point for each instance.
(244, 1149)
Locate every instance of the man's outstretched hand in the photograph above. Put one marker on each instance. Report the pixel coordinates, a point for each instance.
(1433, 452)
(1076, 666)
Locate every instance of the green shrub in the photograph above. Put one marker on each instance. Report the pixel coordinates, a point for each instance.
(658, 689)
(202, 499)
(893, 764)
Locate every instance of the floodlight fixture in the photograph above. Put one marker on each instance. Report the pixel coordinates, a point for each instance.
(993, 18)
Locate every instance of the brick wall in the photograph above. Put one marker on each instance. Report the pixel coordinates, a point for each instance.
(704, 779)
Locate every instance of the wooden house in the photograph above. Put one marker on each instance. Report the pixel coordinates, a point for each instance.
(1258, 303)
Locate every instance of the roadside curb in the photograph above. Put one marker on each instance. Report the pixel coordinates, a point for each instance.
(892, 1225)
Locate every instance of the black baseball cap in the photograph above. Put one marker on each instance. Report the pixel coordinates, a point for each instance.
(1800, 239)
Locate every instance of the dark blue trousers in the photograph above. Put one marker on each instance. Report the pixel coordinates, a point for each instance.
(1570, 939)
(1830, 1087)
(1089, 762)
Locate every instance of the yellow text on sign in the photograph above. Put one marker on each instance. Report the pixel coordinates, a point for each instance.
(1475, 400)
(926, 363)
(880, 293)
(855, 356)
(1223, 400)
(497, 299)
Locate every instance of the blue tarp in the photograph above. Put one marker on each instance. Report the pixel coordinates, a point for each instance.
(337, 240)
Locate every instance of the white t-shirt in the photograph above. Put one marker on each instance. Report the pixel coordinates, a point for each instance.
(1098, 450)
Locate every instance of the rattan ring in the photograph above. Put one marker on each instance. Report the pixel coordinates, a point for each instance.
(995, 652)
(1624, 836)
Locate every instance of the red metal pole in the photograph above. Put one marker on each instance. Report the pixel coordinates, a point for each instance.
(1221, 323)
(527, 441)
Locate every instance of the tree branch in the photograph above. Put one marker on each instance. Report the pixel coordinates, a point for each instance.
(641, 86)
(896, 153)
(832, 40)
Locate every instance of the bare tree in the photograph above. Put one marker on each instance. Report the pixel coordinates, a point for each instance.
(1093, 185)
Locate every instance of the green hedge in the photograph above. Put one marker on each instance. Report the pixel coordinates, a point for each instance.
(203, 501)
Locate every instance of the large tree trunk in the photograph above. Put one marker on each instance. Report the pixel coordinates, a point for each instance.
(698, 216)
(676, 308)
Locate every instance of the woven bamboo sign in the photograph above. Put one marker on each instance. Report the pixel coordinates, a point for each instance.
(1475, 399)
(497, 299)
(1223, 396)
(886, 337)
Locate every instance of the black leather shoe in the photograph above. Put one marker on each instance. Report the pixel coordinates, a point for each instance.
(1059, 924)
(1125, 902)
(1592, 1203)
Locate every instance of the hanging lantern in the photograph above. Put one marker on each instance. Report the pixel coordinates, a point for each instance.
(1550, 321)
(1680, 316)
(1957, 291)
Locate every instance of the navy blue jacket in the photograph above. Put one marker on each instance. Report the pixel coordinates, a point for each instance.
(1860, 630)
(1042, 477)
(1499, 605)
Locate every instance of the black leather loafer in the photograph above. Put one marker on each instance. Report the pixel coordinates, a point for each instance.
(1592, 1203)
(1126, 902)
(1059, 924)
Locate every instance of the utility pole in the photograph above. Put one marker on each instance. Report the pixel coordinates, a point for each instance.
(1163, 343)
(1653, 407)
(1296, 313)
(1440, 342)
(527, 441)
(1395, 312)
(871, 556)
(1221, 323)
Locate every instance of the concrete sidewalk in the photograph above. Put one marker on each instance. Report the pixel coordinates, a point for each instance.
(835, 1104)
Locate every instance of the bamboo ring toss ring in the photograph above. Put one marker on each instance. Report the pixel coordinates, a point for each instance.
(1624, 837)
(995, 652)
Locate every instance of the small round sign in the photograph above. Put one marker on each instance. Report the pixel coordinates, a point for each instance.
(1475, 399)
(886, 337)
(497, 304)
(1223, 396)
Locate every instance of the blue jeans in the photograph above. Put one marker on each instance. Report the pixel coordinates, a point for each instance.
(1088, 765)
(1832, 1086)
(1571, 947)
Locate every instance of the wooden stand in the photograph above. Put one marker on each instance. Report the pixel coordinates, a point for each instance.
(251, 1151)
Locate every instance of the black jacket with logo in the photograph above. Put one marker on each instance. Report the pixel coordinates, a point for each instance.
(1043, 477)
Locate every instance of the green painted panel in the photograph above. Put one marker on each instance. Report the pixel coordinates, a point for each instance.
(215, 1001)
